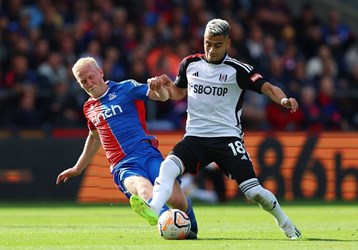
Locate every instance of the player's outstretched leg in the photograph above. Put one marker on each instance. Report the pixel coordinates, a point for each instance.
(143, 209)
(267, 201)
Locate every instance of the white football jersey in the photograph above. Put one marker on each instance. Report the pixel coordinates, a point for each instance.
(215, 94)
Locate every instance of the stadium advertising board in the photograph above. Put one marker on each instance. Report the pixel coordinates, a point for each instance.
(292, 165)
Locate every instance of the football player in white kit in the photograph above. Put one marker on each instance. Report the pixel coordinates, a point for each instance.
(215, 85)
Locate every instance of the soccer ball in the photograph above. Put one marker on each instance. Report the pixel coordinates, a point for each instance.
(174, 224)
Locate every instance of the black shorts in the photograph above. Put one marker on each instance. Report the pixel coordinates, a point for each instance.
(228, 153)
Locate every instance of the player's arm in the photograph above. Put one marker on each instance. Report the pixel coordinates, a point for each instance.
(90, 148)
(277, 95)
(175, 93)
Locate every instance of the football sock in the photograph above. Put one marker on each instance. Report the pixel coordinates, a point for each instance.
(170, 169)
(191, 214)
(267, 201)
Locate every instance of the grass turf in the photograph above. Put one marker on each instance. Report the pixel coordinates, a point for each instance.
(229, 226)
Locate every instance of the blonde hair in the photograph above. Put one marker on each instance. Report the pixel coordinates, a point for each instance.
(81, 63)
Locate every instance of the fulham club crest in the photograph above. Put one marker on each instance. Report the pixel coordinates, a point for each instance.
(223, 77)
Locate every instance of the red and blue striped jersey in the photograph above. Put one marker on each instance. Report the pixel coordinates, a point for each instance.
(119, 117)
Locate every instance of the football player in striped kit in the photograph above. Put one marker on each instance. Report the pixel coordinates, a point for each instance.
(215, 84)
(116, 120)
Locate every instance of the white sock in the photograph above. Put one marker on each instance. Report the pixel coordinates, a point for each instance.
(170, 169)
(267, 200)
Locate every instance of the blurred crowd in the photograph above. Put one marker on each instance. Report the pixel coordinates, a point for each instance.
(312, 59)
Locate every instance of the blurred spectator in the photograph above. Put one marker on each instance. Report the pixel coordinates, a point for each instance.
(313, 116)
(238, 48)
(12, 11)
(130, 39)
(316, 65)
(182, 50)
(39, 53)
(286, 39)
(268, 53)
(254, 43)
(20, 75)
(281, 119)
(273, 15)
(26, 113)
(298, 80)
(51, 24)
(67, 50)
(277, 74)
(113, 67)
(337, 36)
(105, 7)
(34, 12)
(94, 50)
(254, 111)
(138, 70)
(4, 54)
(289, 49)
(103, 34)
(62, 109)
(179, 17)
(290, 58)
(308, 34)
(163, 60)
(351, 58)
(52, 72)
(348, 101)
(331, 114)
(353, 79)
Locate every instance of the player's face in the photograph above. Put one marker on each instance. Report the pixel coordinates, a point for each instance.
(215, 47)
(91, 80)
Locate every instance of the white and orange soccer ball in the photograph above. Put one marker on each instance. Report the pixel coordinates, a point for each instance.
(174, 224)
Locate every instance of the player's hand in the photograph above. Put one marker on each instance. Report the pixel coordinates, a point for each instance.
(157, 82)
(290, 103)
(166, 81)
(154, 83)
(65, 175)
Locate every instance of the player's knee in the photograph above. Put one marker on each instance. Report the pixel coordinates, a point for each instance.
(145, 192)
(173, 164)
(138, 185)
(255, 194)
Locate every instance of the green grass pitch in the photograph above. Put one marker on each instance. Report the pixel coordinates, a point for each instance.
(228, 226)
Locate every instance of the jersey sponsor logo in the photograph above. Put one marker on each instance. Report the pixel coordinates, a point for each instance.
(106, 113)
(255, 77)
(208, 90)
